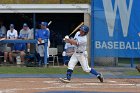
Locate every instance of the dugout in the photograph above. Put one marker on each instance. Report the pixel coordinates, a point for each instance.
(64, 17)
(62, 24)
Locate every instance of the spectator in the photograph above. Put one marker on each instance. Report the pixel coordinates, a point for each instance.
(18, 50)
(3, 47)
(42, 35)
(11, 35)
(2, 29)
(25, 33)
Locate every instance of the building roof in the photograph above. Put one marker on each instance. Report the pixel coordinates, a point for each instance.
(44, 8)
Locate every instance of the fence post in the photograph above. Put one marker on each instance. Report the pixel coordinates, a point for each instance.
(45, 53)
(34, 23)
(132, 62)
(92, 33)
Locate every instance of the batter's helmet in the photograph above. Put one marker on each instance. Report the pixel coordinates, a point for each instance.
(84, 28)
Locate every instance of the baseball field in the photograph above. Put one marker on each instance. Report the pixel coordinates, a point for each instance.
(46, 80)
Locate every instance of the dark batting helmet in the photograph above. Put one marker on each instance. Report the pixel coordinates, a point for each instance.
(84, 28)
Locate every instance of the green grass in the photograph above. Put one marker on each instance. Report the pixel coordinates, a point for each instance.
(127, 60)
(132, 73)
(36, 70)
(50, 70)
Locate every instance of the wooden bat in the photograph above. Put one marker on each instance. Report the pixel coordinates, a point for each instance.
(49, 23)
(76, 28)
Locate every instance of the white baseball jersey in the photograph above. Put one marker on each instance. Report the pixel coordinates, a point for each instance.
(80, 54)
(81, 41)
(12, 34)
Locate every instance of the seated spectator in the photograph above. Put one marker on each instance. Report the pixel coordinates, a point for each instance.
(2, 28)
(2, 37)
(2, 46)
(18, 50)
(26, 33)
(11, 35)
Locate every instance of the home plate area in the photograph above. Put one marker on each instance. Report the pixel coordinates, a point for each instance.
(77, 85)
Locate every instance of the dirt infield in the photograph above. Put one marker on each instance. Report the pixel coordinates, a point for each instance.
(44, 85)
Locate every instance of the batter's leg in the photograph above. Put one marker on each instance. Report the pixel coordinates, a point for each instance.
(73, 61)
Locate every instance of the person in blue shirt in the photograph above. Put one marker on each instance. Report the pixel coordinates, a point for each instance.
(18, 49)
(42, 35)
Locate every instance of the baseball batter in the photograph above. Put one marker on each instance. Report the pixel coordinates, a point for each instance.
(80, 54)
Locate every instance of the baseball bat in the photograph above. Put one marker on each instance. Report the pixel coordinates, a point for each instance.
(49, 23)
(76, 28)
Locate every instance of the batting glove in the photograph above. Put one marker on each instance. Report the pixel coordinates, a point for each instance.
(66, 37)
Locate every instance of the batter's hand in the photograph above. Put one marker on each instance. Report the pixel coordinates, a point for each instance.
(66, 37)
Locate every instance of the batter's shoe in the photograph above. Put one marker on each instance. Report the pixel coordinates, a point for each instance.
(101, 78)
(138, 68)
(64, 80)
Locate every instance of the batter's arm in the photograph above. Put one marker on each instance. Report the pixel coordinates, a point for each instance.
(71, 41)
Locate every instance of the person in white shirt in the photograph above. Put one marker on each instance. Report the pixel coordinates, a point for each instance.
(80, 55)
(11, 35)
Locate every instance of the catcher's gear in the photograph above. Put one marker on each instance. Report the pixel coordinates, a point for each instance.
(138, 68)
